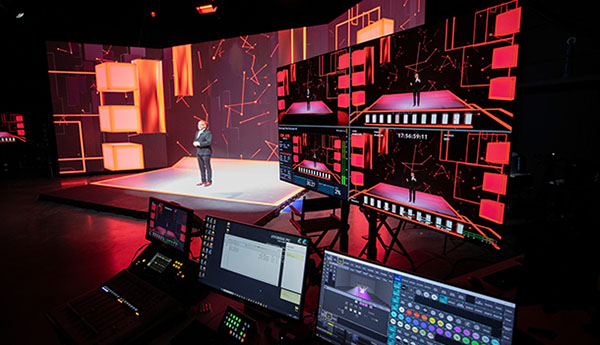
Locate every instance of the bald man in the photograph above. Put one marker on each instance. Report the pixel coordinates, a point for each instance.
(202, 141)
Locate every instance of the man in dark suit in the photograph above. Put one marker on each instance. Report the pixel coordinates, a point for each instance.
(412, 187)
(202, 141)
(416, 88)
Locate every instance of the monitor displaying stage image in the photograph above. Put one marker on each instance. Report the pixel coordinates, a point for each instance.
(169, 224)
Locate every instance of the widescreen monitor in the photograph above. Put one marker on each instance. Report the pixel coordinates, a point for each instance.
(169, 224)
(366, 303)
(263, 267)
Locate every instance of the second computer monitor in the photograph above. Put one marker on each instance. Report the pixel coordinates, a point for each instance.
(364, 303)
(260, 266)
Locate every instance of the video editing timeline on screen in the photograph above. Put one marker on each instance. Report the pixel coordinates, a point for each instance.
(260, 266)
(364, 303)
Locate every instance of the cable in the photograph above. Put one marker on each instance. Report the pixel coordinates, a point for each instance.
(137, 251)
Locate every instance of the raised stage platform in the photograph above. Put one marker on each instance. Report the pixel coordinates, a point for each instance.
(244, 190)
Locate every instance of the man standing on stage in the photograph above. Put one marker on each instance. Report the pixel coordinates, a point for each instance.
(416, 87)
(412, 187)
(202, 141)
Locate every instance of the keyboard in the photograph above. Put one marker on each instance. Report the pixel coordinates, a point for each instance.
(119, 312)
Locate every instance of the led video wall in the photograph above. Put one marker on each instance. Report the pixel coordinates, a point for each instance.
(423, 117)
(119, 108)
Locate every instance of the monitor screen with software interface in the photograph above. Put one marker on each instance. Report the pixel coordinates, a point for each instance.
(365, 303)
(260, 266)
(170, 224)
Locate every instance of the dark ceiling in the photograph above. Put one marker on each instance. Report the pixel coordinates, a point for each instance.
(129, 22)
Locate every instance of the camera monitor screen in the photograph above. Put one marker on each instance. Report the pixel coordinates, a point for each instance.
(257, 265)
(365, 303)
(169, 224)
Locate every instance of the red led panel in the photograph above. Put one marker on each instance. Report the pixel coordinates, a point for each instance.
(357, 178)
(281, 76)
(296, 159)
(280, 104)
(337, 143)
(343, 81)
(344, 61)
(508, 22)
(280, 91)
(358, 98)
(337, 167)
(337, 156)
(492, 210)
(503, 88)
(343, 100)
(358, 57)
(495, 183)
(357, 141)
(498, 152)
(357, 160)
(358, 78)
(19, 118)
(505, 57)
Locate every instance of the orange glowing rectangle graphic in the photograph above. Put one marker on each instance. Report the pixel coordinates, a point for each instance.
(382, 27)
(123, 156)
(116, 76)
(150, 96)
(505, 57)
(182, 70)
(494, 183)
(120, 118)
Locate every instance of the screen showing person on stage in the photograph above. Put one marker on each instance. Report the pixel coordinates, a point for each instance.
(416, 85)
(202, 142)
(168, 224)
(442, 180)
(412, 187)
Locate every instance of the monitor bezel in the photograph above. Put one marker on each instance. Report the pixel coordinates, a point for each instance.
(379, 264)
(255, 305)
(188, 230)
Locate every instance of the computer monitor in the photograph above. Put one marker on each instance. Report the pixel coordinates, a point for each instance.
(366, 303)
(169, 224)
(260, 266)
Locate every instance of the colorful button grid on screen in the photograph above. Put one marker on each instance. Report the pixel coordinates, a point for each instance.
(429, 326)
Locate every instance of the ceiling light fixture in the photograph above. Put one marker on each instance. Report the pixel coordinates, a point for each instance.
(20, 15)
(205, 9)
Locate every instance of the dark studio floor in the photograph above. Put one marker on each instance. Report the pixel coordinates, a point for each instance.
(54, 252)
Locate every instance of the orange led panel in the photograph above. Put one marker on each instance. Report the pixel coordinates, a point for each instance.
(182, 70)
(382, 27)
(120, 118)
(123, 156)
(149, 97)
(116, 76)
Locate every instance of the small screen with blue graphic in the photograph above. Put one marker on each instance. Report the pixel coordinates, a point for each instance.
(365, 303)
